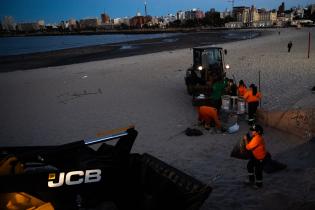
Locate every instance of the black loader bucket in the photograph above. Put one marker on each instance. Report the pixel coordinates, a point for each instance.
(75, 176)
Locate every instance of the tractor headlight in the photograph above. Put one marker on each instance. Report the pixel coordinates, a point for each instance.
(199, 68)
(227, 66)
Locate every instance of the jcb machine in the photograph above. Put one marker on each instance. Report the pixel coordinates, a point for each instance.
(208, 67)
(75, 176)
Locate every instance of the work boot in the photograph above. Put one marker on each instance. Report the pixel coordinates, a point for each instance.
(251, 122)
(250, 180)
(259, 183)
(255, 187)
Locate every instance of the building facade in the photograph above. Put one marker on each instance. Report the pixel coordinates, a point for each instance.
(194, 14)
(8, 23)
(180, 15)
(90, 23)
(105, 18)
(28, 27)
(139, 21)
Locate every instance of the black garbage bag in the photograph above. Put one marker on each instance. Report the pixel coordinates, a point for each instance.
(239, 151)
(193, 132)
(272, 166)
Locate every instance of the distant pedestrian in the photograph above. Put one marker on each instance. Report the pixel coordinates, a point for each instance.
(289, 46)
(279, 32)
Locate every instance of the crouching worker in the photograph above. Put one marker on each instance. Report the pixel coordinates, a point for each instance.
(208, 116)
(255, 163)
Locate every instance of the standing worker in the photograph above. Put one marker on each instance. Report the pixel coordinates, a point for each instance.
(255, 163)
(252, 97)
(289, 46)
(231, 88)
(217, 92)
(241, 88)
(208, 115)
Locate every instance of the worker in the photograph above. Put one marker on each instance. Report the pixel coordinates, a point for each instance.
(231, 88)
(252, 97)
(217, 92)
(10, 165)
(255, 164)
(207, 115)
(241, 88)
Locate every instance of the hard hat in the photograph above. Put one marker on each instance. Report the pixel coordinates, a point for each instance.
(257, 128)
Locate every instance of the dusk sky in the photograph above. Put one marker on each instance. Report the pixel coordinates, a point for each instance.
(53, 11)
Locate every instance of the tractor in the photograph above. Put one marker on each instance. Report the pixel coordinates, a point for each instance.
(208, 67)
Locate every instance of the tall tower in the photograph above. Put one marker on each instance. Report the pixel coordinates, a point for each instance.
(145, 8)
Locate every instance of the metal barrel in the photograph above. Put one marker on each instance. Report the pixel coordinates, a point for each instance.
(226, 102)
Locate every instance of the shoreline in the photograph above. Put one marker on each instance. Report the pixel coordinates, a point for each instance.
(126, 31)
(117, 50)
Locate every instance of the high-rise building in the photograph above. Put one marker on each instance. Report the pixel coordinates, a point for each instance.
(242, 14)
(225, 14)
(180, 15)
(253, 15)
(89, 23)
(281, 10)
(194, 14)
(105, 18)
(239, 9)
(8, 23)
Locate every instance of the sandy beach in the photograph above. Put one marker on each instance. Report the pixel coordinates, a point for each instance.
(56, 105)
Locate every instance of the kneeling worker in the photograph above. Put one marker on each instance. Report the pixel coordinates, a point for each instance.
(207, 115)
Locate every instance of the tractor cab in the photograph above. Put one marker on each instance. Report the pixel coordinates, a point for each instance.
(208, 67)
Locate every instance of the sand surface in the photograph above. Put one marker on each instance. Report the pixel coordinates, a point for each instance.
(62, 104)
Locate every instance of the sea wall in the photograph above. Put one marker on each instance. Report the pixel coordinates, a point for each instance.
(299, 122)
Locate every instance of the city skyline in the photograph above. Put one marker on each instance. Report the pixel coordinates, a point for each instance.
(53, 11)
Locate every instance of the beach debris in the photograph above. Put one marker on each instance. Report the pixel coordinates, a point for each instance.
(234, 128)
(271, 165)
(66, 97)
(193, 132)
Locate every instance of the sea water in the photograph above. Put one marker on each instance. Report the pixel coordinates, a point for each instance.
(33, 44)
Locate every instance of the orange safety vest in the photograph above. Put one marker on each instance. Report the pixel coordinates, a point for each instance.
(208, 114)
(241, 90)
(257, 145)
(249, 97)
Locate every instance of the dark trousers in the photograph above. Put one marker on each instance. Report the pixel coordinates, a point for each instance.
(252, 108)
(255, 171)
(217, 104)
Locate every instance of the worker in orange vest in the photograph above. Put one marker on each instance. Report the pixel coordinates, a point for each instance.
(255, 163)
(241, 88)
(252, 97)
(207, 115)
